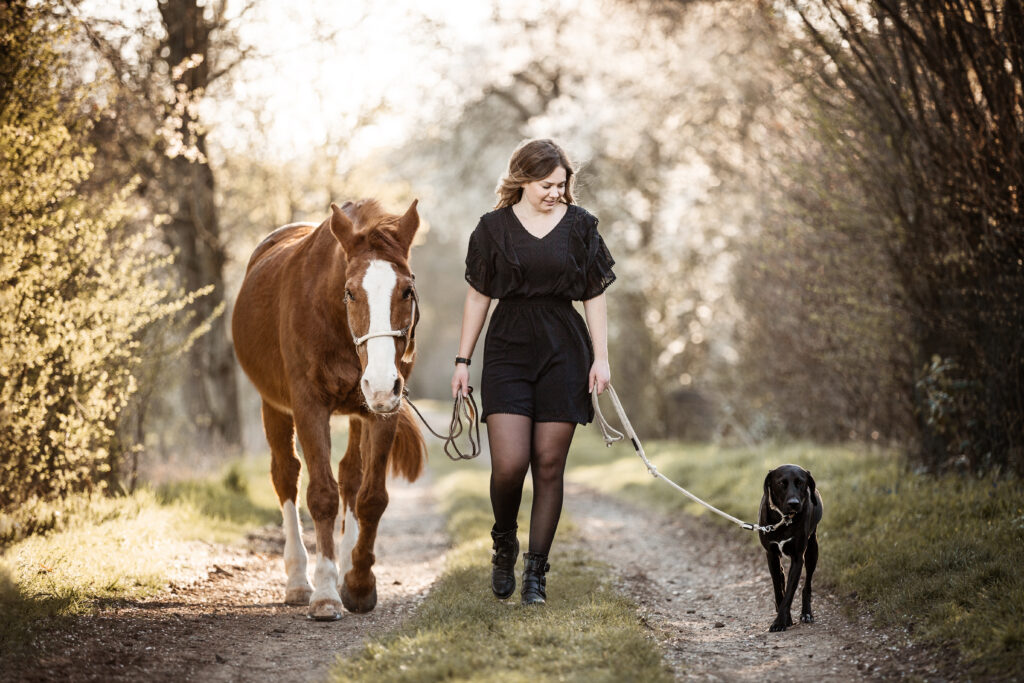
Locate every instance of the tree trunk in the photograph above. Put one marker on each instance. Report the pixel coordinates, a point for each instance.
(211, 392)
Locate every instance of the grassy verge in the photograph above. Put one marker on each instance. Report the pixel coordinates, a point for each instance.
(939, 556)
(585, 633)
(123, 547)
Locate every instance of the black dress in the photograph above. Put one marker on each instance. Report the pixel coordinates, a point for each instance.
(537, 352)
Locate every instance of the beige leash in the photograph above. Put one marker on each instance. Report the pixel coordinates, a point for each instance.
(611, 435)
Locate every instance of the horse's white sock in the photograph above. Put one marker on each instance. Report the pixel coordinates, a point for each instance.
(295, 558)
(325, 581)
(348, 542)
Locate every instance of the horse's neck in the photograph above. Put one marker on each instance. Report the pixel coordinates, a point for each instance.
(324, 262)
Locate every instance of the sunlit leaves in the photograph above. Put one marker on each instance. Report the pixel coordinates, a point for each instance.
(76, 289)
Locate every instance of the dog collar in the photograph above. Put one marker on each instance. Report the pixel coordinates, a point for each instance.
(785, 521)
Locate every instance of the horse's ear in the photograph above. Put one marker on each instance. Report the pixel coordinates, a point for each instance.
(342, 227)
(407, 226)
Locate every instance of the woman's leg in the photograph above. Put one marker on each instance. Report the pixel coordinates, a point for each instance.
(550, 447)
(509, 440)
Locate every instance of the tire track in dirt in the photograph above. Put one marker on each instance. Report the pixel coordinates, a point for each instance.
(231, 624)
(707, 597)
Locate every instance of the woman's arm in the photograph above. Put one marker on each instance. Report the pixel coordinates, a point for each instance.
(474, 312)
(596, 310)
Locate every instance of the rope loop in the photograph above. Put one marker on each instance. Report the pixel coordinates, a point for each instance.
(464, 408)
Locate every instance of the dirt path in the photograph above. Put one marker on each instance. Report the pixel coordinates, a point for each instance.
(231, 624)
(703, 591)
(707, 597)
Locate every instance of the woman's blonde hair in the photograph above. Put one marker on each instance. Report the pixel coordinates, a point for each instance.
(533, 160)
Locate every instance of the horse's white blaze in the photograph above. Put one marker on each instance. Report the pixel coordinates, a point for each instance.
(380, 374)
(348, 542)
(294, 551)
(325, 581)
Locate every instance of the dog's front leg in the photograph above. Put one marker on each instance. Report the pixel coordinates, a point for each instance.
(811, 558)
(775, 569)
(784, 619)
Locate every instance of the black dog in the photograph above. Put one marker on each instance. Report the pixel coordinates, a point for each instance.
(789, 492)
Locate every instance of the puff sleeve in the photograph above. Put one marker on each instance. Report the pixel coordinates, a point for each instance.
(597, 272)
(479, 263)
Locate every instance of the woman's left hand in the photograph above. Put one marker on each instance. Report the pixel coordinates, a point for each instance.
(600, 376)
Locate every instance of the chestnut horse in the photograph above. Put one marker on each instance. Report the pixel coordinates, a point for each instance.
(324, 324)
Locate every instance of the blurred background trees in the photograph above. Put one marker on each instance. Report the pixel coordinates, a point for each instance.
(159, 68)
(900, 242)
(814, 204)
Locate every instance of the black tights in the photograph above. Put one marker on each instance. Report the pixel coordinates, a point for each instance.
(518, 443)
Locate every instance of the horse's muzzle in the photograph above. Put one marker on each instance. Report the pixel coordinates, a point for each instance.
(383, 402)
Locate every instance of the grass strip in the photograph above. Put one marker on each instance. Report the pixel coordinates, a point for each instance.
(123, 547)
(938, 556)
(586, 632)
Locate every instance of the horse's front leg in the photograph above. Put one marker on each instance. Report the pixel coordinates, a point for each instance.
(312, 423)
(350, 476)
(359, 590)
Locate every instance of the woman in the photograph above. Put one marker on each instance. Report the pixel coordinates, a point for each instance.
(536, 253)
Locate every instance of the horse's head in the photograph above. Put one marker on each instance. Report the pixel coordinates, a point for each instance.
(380, 295)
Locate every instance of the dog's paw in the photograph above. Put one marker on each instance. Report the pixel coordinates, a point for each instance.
(782, 622)
(807, 618)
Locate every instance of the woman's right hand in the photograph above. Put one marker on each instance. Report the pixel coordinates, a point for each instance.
(460, 380)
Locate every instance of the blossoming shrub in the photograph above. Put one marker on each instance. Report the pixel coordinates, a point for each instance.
(77, 288)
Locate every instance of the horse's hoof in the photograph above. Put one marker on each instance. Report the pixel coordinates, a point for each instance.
(357, 605)
(298, 596)
(325, 610)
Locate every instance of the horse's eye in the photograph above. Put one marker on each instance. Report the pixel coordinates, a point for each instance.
(348, 295)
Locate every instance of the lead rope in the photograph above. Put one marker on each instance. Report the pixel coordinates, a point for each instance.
(611, 435)
(465, 407)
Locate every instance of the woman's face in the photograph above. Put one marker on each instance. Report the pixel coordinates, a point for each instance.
(544, 195)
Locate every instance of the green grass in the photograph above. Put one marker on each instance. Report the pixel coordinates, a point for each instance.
(124, 547)
(943, 554)
(586, 632)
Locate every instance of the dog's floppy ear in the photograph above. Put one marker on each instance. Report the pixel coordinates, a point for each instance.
(767, 486)
(811, 488)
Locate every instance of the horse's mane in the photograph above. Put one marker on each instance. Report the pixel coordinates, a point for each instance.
(377, 226)
(368, 212)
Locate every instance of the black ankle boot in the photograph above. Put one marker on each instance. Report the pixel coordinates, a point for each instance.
(534, 583)
(503, 573)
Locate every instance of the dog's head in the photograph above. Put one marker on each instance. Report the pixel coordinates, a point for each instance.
(787, 487)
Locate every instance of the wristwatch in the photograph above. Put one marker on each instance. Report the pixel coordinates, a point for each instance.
(460, 359)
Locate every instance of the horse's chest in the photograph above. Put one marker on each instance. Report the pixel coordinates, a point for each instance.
(340, 386)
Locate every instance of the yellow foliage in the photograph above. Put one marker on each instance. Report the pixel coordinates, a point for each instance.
(76, 287)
